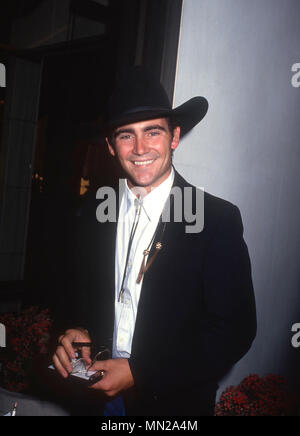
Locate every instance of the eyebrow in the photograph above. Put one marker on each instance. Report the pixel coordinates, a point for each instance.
(146, 129)
(154, 127)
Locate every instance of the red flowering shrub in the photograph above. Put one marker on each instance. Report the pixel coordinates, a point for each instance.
(258, 396)
(28, 334)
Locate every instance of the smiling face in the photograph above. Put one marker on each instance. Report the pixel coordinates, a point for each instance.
(144, 150)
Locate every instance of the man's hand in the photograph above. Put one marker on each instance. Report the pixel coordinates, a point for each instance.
(117, 376)
(65, 352)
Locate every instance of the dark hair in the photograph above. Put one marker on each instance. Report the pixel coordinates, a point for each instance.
(172, 124)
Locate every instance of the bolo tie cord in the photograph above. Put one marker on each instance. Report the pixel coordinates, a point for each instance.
(145, 265)
(158, 246)
(132, 233)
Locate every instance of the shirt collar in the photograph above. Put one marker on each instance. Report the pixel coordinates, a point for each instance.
(153, 202)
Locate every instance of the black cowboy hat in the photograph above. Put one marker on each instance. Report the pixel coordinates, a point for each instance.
(139, 96)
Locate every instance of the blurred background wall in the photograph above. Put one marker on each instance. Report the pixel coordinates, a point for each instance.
(239, 54)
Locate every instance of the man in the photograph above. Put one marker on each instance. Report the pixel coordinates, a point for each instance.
(178, 305)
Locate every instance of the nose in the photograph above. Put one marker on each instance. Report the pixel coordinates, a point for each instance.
(140, 146)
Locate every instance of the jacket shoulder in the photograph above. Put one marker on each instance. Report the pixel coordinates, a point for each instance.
(217, 205)
(217, 210)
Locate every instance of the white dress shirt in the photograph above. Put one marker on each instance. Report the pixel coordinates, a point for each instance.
(126, 310)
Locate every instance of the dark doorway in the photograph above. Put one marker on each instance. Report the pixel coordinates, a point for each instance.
(70, 161)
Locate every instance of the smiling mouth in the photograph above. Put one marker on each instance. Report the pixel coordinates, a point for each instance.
(143, 163)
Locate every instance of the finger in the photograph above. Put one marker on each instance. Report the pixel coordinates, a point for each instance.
(66, 342)
(59, 366)
(100, 365)
(86, 354)
(63, 359)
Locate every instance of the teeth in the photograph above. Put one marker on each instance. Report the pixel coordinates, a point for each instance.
(146, 162)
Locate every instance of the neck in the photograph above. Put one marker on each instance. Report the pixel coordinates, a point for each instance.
(145, 190)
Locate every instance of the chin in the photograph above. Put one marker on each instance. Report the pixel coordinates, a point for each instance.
(141, 183)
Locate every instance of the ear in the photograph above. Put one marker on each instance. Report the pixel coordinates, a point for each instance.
(176, 138)
(110, 147)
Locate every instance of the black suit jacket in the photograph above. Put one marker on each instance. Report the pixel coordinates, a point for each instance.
(196, 315)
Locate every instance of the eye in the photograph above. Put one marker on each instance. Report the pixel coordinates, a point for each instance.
(125, 137)
(154, 133)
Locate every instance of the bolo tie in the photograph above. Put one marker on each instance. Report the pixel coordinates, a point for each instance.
(159, 231)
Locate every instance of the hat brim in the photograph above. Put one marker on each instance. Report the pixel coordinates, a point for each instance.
(188, 115)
